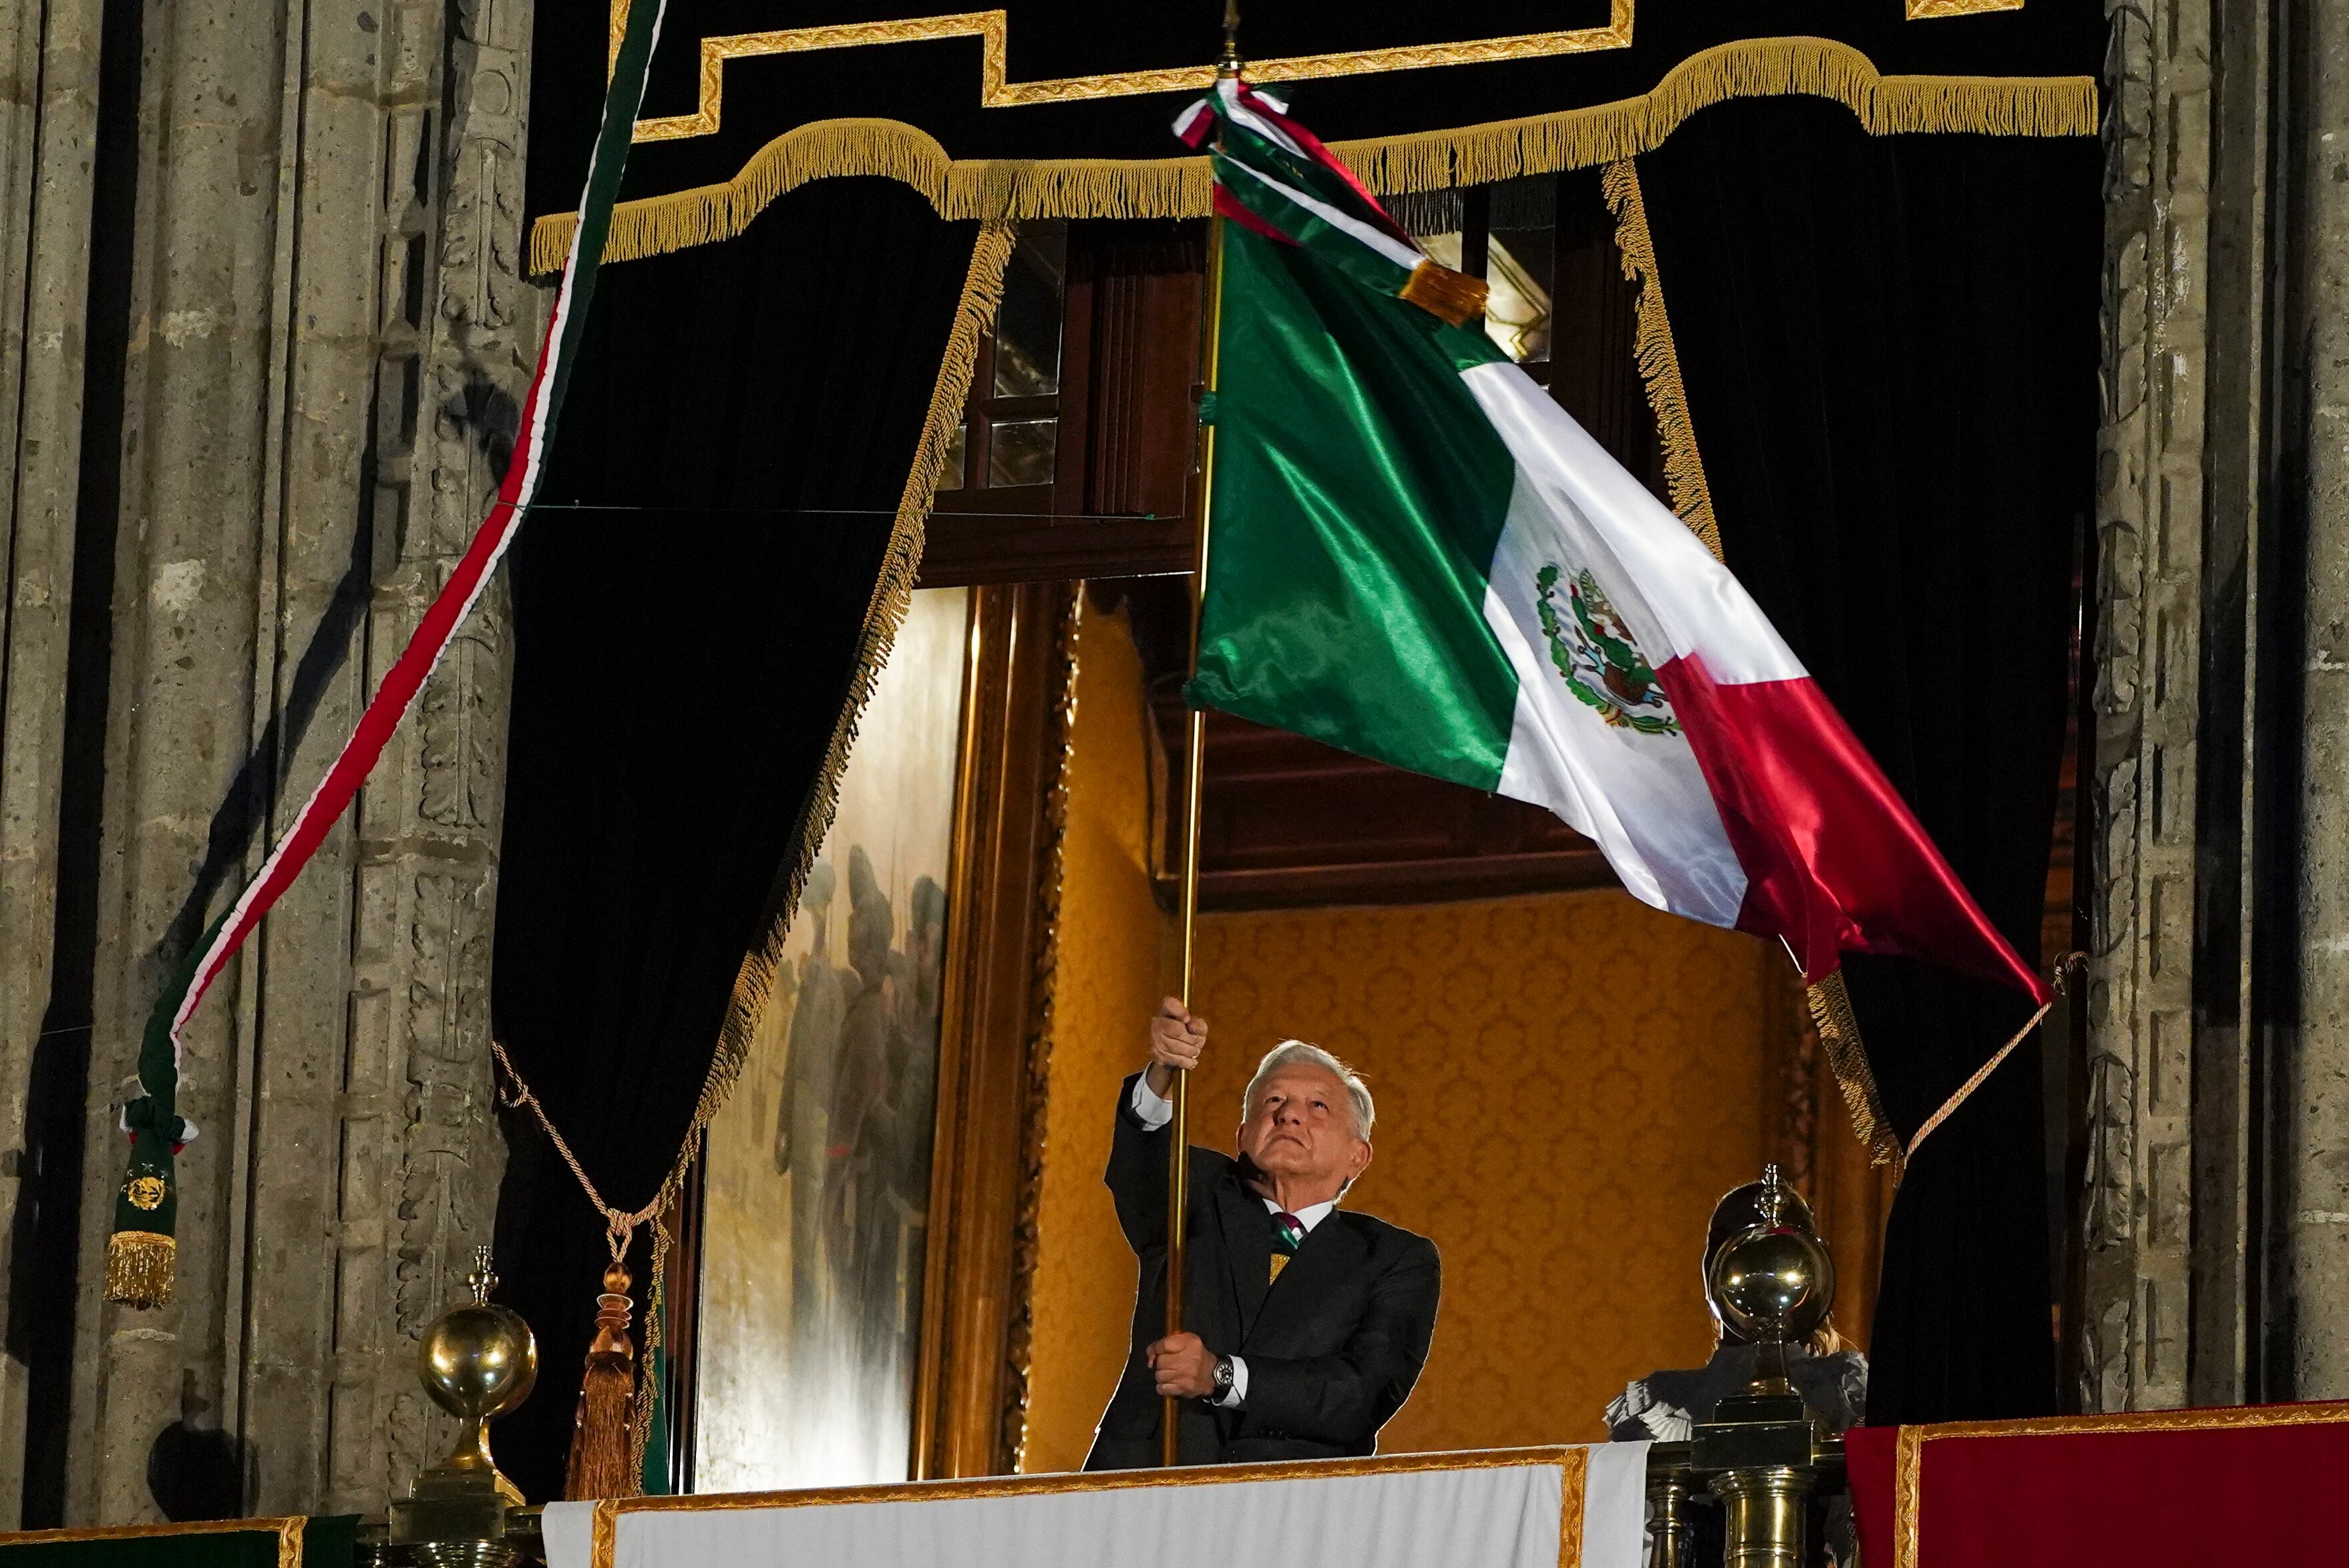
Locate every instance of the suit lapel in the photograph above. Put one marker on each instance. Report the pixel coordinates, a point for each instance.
(1332, 1251)
(1247, 1239)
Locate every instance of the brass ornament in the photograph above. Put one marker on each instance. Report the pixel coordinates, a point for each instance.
(1773, 1283)
(478, 1361)
(1763, 1451)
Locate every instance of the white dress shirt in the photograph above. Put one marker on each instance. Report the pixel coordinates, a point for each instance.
(1154, 1111)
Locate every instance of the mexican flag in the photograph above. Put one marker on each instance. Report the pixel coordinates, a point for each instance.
(1418, 556)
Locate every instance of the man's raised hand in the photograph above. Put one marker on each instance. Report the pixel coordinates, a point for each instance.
(1177, 1035)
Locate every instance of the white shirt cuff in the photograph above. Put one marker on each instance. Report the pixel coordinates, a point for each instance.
(1149, 1109)
(1239, 1391)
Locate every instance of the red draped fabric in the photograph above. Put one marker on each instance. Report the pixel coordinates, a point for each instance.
(2159, 1489)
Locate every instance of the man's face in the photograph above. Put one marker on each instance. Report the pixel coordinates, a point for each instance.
(1301, 1125)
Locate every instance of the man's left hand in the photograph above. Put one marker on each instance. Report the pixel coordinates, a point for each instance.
(1186, 1369)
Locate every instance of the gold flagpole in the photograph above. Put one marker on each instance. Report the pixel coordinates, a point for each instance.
(1178, 1175)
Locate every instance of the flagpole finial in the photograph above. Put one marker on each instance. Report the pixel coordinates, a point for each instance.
(1229, 65)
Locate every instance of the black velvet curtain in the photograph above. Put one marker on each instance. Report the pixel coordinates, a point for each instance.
(1890, 347)
(687, 611)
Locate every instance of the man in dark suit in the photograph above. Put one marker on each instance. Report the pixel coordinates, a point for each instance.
(1304, 1325)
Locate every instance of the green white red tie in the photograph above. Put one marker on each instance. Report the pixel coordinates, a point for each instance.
(1288, 1235)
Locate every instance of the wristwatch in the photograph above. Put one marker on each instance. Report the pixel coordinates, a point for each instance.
(1223, 1381)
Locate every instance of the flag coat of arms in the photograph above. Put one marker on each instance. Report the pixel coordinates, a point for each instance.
(1418, 556)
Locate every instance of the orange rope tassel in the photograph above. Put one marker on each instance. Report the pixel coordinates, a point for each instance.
(600, 1448)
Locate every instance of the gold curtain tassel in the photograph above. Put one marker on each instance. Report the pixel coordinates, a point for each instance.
(139, 1266)
(1455, 297)
(602, 1444)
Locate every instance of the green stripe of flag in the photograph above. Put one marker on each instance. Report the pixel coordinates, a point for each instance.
(1359, 493)
(1243, 145)
(1309, 230)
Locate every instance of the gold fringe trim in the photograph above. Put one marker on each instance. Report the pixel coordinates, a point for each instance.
(139, 1266)
(991, 189)
(1848, 1058)
(998, 189)
(1660, 359)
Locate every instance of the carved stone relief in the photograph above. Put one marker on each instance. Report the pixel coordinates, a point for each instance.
(2148, 526)
(459, 391)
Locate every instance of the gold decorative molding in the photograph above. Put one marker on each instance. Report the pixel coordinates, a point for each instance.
(1051, 882)
(287, 1530)
(1928, 10)
(1573, 1461)
(1013, 189)
(997, 90)
(1907, 1476)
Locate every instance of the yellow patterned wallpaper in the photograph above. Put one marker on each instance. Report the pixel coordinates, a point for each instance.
(1107, 982)
(1566, 1084)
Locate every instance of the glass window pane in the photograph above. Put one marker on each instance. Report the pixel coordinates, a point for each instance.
(1020, 452)
(1443, 246)
(1027, 327)
(1517, 266)
(950, 474)
(1517, 313)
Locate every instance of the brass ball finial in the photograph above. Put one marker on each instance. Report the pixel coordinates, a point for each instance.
(1773, 1281)
(478, 1361)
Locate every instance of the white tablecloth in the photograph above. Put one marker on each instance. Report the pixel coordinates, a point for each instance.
(1502, 1510)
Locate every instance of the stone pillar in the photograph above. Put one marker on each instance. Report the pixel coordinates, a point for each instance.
(48, 115)
(2313, 351)
(2218, 1070)
(422, 1154)
(330, 340)
(2139, 846)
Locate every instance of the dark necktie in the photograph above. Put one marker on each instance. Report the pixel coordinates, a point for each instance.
(1288, 1235)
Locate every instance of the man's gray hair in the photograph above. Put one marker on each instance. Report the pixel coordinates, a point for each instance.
(1296, 1053)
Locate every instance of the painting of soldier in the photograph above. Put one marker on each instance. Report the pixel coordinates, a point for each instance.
(817, 1194)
